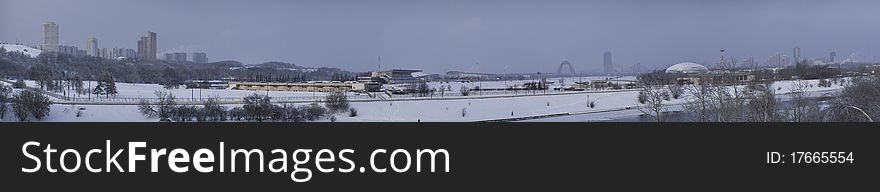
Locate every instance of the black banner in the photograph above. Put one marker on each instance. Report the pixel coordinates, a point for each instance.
(493, 156)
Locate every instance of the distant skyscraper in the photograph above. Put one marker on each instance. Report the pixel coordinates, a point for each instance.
(169, 57)
(106, 53)
(609, 66)
(778, 60)
(833, 56)
(50, 36)
(199, 57)
(147, 46)
(797, 55)
(92, 47)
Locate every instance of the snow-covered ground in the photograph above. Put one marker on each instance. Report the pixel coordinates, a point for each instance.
(477, 109)
(30, 51)
(133, 90)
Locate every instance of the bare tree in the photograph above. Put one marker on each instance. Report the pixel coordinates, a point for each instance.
(675, 89)
(699, 101)
(164, 107)
(654, 96)
(728, 103)
(5, 99)
(336, 102)
(314, 111)
(29, 103)
(465, 91)
(857, 101)
(798, 94)
(257, 107)
(763, 104)
(213, 111)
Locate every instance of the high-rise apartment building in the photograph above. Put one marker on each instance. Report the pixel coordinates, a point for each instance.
(609, 66)
(833, 57)
(200, 57)
(50, 37)
(180, 57)
(147, 46)
(92, 47)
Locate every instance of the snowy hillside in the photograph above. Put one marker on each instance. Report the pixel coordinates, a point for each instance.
(30, 51)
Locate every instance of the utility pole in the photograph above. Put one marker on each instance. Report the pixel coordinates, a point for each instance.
(479, 78)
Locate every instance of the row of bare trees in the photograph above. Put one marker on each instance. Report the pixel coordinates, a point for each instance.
(256, 108)
(25, 104)
(858, 102)
(754, 102)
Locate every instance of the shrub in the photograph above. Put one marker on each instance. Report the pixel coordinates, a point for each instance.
(336, 102)
(352, 112)
(5, 98)
(163, 108)
(30, 103)
(257, 107)
(676, 90)
(465, 91)
(19, 84)
(642, 98)
(213, 111)
(237, 113)
(292, 113)
(313, 111)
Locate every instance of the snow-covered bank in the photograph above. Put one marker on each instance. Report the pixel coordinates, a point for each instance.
(475, 109)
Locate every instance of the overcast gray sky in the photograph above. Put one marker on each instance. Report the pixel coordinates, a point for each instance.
(509, 35)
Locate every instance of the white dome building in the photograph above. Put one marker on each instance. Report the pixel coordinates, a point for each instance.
(687, 68)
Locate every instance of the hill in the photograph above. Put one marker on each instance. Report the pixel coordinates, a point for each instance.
(29, 51)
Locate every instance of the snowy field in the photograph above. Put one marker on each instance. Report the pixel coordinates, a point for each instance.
(29, 51)
(133, 90)
(477, 109)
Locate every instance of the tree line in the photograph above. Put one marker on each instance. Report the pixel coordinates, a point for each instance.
(256, 107)
(53, 68)
(759, 101)
(25, 104)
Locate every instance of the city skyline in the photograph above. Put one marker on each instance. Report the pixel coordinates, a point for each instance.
(534, 38)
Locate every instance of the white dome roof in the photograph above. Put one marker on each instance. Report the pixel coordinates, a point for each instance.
(687, 67)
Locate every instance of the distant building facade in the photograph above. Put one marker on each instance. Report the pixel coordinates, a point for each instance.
(397, 76)
(175, 57)
(106, 53)
(606, 61)
(124, 53)
(180, 57)
(833, 56)
(50, 37)
(92, 47)
(70, 50)
(199, 57)
(147, 46)
(303, 87)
